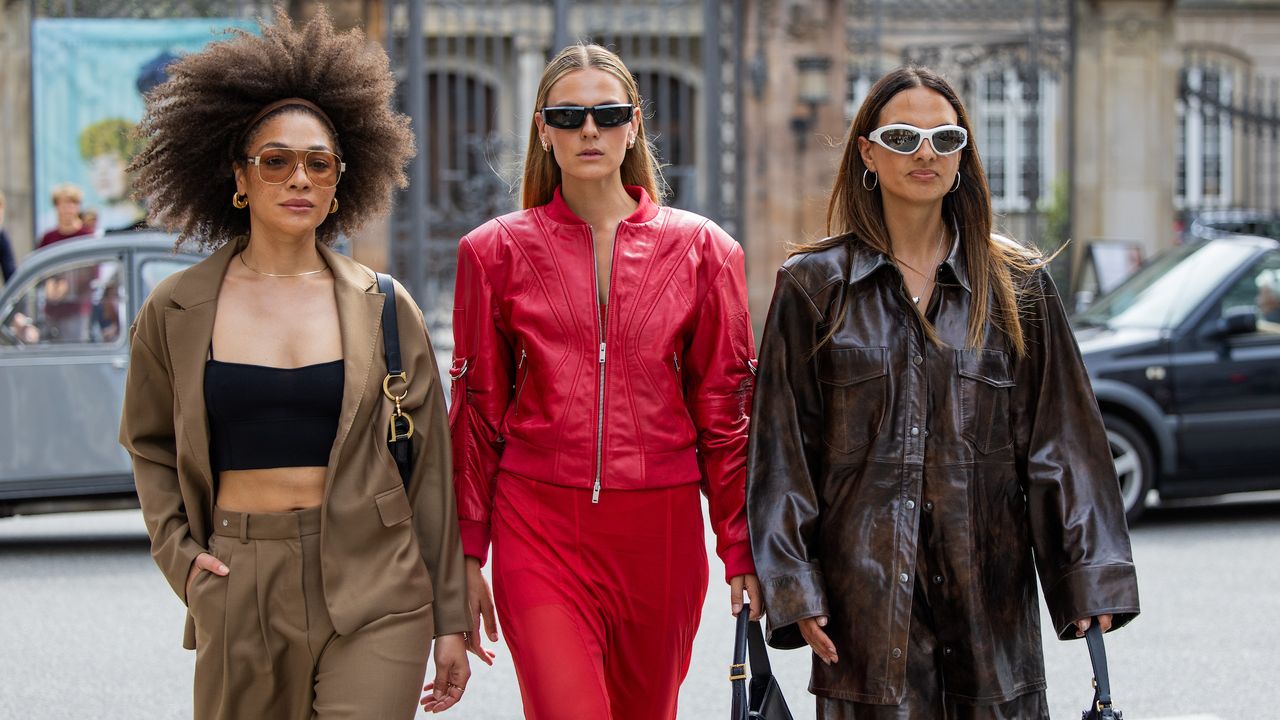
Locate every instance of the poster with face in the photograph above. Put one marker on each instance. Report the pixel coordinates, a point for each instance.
(89, 78)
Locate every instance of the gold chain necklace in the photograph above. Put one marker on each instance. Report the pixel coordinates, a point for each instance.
(279, 275)
(928, 279)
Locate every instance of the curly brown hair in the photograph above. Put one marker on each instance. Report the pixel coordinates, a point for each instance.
(194, 120)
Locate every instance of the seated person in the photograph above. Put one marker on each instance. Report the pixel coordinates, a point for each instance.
(1268, 301)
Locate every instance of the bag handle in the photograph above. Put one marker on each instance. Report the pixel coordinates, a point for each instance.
(749, 638)
(1098, 657)
(400, 426)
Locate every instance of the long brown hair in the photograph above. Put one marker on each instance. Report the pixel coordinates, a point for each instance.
(542, 172)
(855, 215)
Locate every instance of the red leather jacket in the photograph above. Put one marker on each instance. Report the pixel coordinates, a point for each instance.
(655, 393)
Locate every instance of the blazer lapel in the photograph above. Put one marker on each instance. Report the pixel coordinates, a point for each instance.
(359, 317)
(188, 332)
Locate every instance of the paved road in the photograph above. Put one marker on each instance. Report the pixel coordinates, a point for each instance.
(89, 629)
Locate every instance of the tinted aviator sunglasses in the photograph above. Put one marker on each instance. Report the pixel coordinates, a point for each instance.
(572, 117)
(277, 165)
(906, 139)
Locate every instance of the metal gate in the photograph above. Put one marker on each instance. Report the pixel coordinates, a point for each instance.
(468, 72)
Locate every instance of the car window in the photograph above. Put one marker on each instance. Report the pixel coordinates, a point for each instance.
(153, 271)
(1163, 293)
(1258, 290)
(80, 304)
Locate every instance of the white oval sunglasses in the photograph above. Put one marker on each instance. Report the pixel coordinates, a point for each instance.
(906, 139)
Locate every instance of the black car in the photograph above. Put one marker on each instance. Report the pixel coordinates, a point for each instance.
(1185, 362)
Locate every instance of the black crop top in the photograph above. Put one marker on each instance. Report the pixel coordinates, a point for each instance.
(267, 417)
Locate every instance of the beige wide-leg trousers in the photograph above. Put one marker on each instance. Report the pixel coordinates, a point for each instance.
(265, 646)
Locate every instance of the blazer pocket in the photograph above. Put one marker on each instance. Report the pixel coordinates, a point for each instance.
(986, 382)
(855, 389)
(393, 506)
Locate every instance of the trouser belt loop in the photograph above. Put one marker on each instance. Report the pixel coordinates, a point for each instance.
(244, 528)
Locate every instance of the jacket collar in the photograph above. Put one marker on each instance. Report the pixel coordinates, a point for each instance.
(558, 210)
(189, 331)
(864, 261)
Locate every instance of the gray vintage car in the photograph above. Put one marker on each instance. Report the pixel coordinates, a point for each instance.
(64, 326)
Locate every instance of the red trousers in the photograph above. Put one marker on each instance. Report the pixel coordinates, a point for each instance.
(599, 603)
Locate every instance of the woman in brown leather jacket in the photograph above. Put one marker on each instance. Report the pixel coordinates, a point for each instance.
(925, 439)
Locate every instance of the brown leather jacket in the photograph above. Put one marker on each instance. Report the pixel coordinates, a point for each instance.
(849, 446)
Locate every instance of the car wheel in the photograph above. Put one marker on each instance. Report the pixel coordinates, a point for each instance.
(1135, 466)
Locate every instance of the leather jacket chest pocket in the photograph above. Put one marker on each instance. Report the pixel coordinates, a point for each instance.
(986, 384)
(854, 384)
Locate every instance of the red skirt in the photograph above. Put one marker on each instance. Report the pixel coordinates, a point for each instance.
(599, 603)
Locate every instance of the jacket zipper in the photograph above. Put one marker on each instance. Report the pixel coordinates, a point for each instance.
(523, 380)
(601, 318)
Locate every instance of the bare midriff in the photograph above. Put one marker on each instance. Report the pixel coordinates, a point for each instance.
(271, 489)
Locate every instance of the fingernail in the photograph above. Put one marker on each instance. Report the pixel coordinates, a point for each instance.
(737, 608)
(822, 622)
(224, 568)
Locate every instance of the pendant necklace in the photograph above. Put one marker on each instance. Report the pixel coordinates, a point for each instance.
(927, 278)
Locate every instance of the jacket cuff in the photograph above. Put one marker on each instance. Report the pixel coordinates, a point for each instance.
(1090, 591)
(475, 540)
(791, 598)
(737, 560)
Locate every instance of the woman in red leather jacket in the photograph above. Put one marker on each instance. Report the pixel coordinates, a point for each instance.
(602, 375)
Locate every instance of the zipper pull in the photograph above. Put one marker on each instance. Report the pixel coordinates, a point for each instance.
(595, 492)
(522, 356)
(601, 355)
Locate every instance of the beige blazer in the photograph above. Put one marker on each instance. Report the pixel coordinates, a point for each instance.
(382, 551)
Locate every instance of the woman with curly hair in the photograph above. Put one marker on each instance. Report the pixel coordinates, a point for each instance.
(583, 430)
(255, 409)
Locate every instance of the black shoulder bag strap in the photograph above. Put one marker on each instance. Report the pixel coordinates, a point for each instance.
(1101, 679)
(400, 426)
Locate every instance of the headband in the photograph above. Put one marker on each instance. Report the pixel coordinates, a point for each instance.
(287, 102)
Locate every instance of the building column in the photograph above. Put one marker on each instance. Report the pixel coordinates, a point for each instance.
(1125, 122)
(16, 161)
(793, 149)
(531, 58)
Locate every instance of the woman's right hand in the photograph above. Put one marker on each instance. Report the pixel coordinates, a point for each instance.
(811, 629)
(480, 605)
(207, 563)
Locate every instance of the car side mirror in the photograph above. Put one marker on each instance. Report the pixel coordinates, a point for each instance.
(1237, 321)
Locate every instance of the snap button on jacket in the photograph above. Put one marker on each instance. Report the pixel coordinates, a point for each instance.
(1007, 454)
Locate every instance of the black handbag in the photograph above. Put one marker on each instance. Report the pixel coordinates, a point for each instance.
(400, 425)
(765, 699)
(1101, 708)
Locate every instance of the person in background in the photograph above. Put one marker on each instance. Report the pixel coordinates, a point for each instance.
(7, 264)
(67, 199)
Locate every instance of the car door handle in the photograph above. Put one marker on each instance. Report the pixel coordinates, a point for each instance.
(120, 363)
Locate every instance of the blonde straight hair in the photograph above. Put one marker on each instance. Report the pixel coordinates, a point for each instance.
(542, 172)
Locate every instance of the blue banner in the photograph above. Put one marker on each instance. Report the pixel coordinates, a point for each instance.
(87, 86)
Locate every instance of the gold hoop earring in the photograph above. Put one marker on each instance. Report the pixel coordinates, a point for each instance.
(874, 182)
(240, 201)
(333, 206)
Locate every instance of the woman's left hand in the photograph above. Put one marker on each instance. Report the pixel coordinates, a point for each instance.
(1104, 622)
(751, 586)
(452, 673)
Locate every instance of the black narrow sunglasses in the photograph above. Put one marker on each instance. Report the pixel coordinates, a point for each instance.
(571, 117)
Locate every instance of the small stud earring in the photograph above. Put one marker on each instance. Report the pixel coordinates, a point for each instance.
(546, 146)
